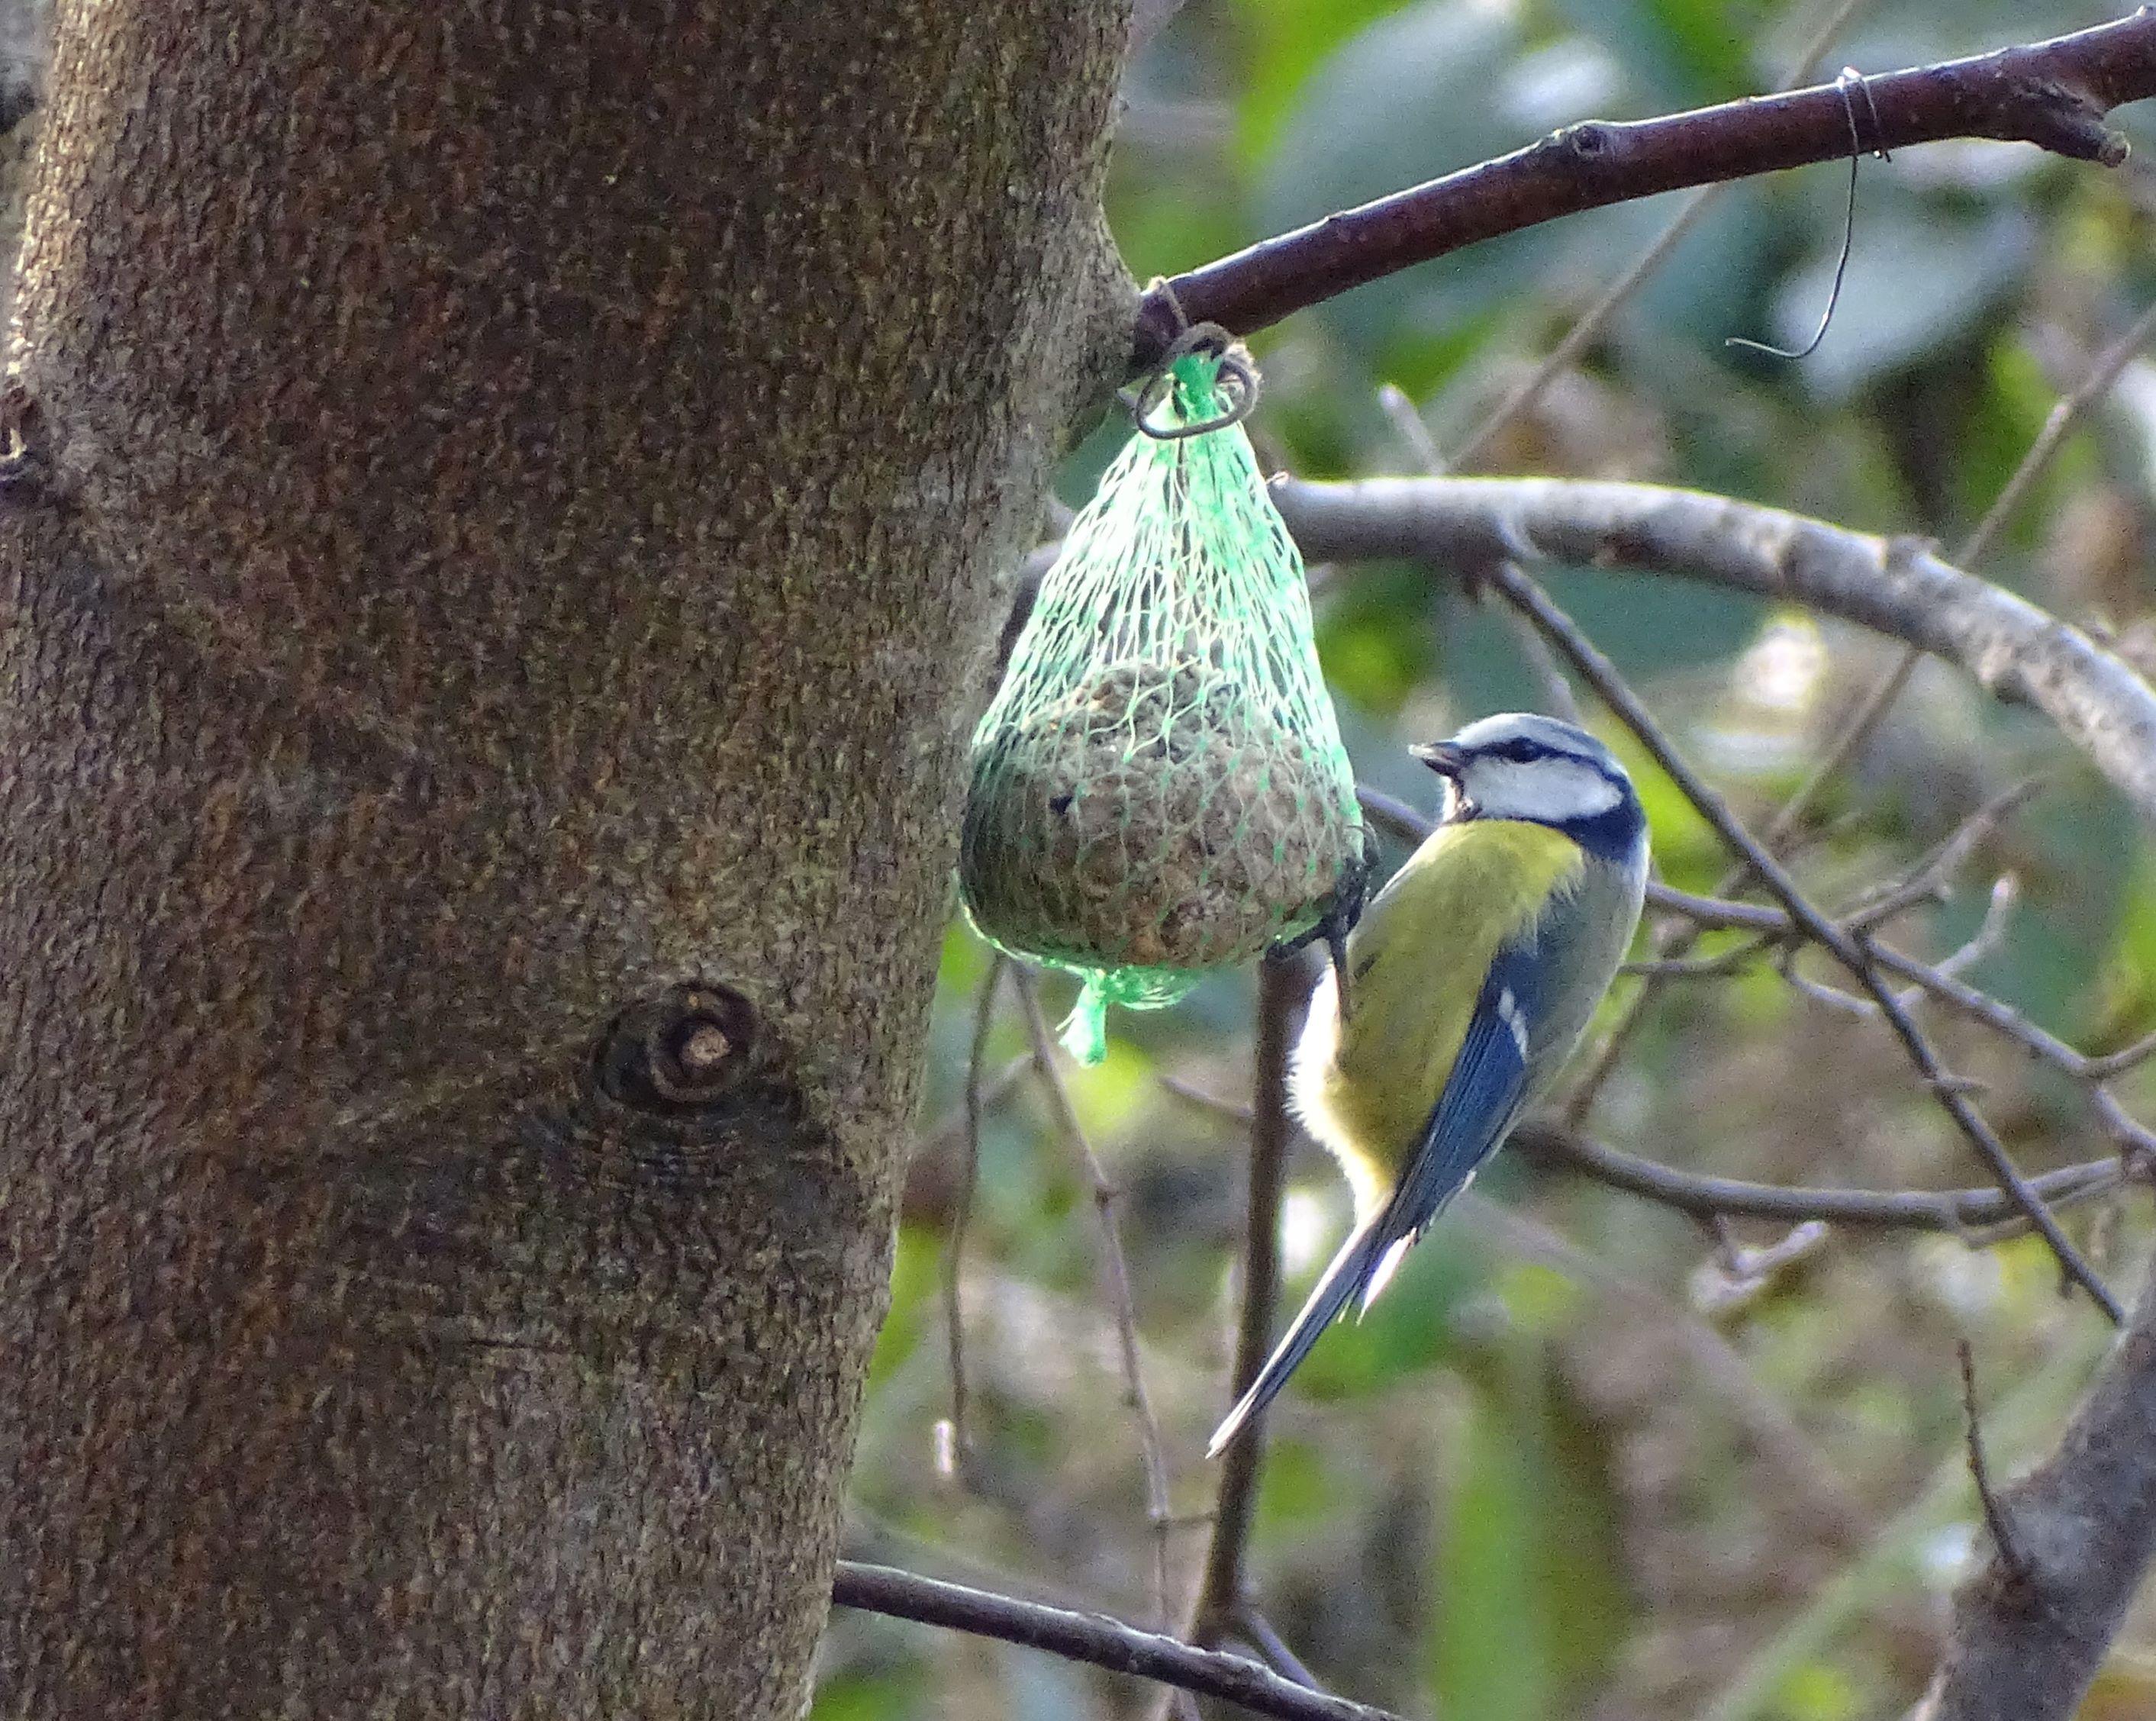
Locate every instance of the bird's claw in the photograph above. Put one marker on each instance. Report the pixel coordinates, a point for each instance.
(1349, 895)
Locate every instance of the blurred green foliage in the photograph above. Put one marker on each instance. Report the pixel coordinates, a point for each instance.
(1555, 1474)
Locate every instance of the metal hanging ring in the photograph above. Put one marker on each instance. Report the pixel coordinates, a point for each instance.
(1238, 375)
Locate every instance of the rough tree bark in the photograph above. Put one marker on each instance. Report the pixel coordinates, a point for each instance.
(498, 573)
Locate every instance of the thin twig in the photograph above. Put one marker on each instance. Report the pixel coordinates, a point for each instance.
(1114, 1273)
(1954, 1212)
(949, 1131)
(1715, 913)
(1669, 944)
(1281, 987)
(871, 1537)
(1602, 676)
(1096, 1639)
(1994, 1013)
(1932, 876)
(1990, 932)
(1236, 1111)
(2051, 94)
(1844, 744)
(1727, 965)
(962, 1214)
(1584, 333)
(1407, 422)
(2063, 416)
(1940, 979)
(2117, 1063)
(2130, 1135)
(1408, 425)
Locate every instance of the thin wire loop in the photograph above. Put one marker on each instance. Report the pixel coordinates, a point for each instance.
(1850, 78)
(1239, 374)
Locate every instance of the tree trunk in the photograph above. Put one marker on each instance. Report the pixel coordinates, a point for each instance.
(512, 507)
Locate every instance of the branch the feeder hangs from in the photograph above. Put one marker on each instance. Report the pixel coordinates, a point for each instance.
(1159, 787)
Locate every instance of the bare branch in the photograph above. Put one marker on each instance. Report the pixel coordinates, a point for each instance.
(1115, 1275)
(1943, 983)
(1280, 986)
(949, 1131)
(1952, 1095)
(2030, 1630)
(2051, 94)
(961, 1212)
(1898, 586)
(2117, 1063)
(2066, 412)
(1715, 913)
(1928, 880)
(1961, 1211)
(1093, 1638)
(1952, 1211)
(1255, 1629)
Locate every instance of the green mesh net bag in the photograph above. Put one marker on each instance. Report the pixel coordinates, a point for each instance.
(1159, 787)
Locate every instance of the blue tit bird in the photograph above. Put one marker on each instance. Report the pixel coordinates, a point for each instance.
(1471, 977)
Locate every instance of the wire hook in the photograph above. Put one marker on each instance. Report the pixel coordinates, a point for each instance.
(1238, 374)
(1851, 79)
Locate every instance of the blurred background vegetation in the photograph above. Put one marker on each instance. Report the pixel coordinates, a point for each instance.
(1580, 1462)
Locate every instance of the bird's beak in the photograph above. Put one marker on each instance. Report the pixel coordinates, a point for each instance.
(1443, 758)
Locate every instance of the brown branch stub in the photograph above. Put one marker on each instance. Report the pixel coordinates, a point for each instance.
(26, 460)
(1096, 1639)
(681, 1052)
(2032, 1627)
(2051, 94)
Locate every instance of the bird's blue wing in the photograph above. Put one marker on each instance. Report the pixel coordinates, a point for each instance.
(1480, 1102)
(1537, 997)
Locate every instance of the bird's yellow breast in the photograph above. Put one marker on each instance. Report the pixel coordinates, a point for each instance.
(1416, 961)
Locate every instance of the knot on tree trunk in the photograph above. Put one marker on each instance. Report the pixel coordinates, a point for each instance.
(692, 1050)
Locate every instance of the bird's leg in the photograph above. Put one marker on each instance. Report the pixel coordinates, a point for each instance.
(1342, 912)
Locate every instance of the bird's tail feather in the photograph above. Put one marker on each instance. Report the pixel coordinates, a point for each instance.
(1350, 1270)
